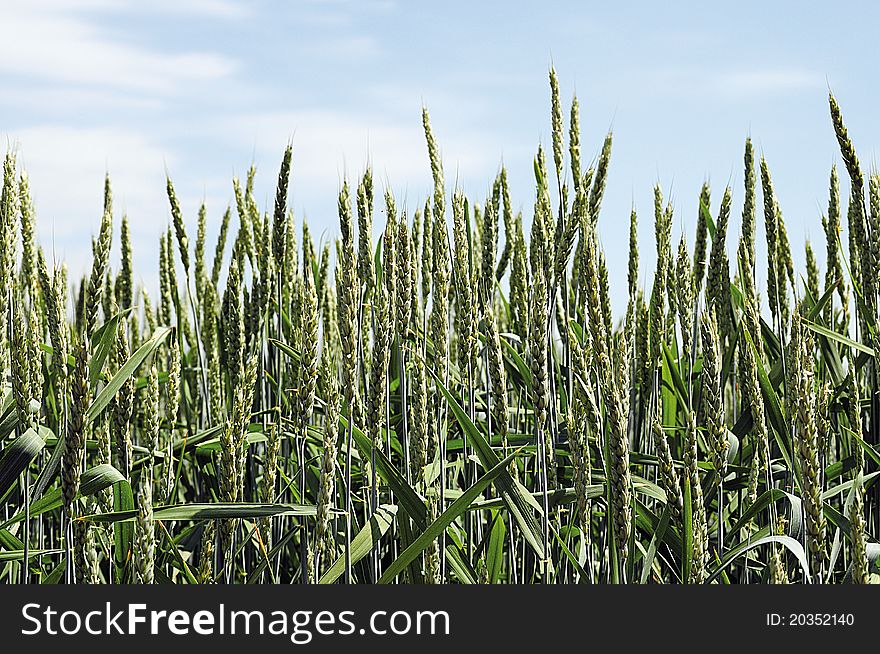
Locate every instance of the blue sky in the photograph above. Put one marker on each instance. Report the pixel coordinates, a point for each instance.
(204, 88)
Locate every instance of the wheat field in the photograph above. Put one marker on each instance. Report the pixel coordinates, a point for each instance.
(452, 403)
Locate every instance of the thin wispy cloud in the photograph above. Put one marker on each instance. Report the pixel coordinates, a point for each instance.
(730, 83)
(344, 48)
(220, 9)
(56, 44)
(54, 100)
(764, 82)
(67, 165)
(330, 146)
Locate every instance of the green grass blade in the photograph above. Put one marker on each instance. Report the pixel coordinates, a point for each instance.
(17, 456)
(364, 542)
(436, 528)
(127, 370)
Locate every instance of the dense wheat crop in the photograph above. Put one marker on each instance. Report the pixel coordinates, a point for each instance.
(453, 403)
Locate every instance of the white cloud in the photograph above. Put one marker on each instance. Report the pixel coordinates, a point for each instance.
(66, 167)
(75, 75)
(340, 12)
(344, 47)
(221, 9)
(49, 41)
(329, 146)
(730, 84)
(66, 100)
